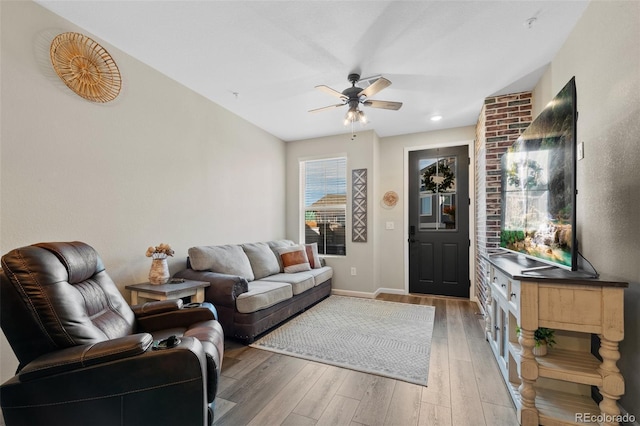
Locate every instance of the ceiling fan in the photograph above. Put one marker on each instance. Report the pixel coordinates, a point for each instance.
(354, 96)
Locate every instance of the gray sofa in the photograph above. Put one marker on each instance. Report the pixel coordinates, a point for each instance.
(257, 286)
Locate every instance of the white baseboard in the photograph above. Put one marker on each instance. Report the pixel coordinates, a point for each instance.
(367, 295)
(351, 293)
(479, 305)
(390, 291)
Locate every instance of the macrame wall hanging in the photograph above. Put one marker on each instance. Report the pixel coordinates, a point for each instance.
(85, 67)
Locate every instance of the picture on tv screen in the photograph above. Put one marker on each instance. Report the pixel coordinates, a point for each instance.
(538, 185)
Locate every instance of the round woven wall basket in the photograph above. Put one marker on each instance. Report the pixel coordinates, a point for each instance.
(85, 67)
(390, 198)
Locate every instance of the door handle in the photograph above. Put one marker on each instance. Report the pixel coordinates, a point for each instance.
(412, 240)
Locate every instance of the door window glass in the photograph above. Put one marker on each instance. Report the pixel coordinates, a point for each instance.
(437, 186)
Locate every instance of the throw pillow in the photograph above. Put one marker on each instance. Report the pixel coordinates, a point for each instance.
(263, 260)
(294, 259)
(229, 259)
(312, 255)
(277, 244)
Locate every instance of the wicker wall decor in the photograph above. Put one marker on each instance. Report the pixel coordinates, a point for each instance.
(390, 198)
(85, 67)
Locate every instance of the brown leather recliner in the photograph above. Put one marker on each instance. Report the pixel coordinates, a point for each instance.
(86, 357)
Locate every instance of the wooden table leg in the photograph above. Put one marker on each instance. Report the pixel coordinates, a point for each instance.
(612, 382)
(528, 414)
(199, 296)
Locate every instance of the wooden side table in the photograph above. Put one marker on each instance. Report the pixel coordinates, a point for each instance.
(191, 289)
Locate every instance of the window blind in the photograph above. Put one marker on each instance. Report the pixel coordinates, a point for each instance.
(325, 203)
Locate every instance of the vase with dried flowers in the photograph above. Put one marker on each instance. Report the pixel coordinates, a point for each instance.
(159, 272)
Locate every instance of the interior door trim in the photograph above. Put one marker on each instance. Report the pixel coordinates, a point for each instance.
(472, 211)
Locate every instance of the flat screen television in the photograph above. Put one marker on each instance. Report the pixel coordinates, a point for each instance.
(539, 186)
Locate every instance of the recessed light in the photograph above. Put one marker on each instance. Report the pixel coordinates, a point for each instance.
(436, 117)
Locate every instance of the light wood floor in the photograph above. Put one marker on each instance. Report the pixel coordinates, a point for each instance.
(464, 385)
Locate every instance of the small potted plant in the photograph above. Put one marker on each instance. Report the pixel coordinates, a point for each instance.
(544, 337)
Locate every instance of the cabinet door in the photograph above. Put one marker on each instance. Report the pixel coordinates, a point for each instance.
(495, 312)
(498, 332)
(504, 328)
(495, 335)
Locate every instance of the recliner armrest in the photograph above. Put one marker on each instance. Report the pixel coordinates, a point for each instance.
(156, 307)
(86, 355)
(171, 319)
(144, 389)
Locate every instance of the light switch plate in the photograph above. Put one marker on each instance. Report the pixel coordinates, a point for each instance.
(391, 225)
(580, 154)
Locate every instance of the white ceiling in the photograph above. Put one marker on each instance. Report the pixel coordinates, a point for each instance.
(262, 59)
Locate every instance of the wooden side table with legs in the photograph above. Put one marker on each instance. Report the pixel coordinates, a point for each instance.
(555, 389)
(192, 289)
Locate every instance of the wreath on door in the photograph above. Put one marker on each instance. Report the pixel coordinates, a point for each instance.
(530, 178)
(438, 177)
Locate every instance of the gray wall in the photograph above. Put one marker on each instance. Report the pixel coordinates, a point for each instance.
(133, 172)
(158, 164)
(380, 261)
(603, 53)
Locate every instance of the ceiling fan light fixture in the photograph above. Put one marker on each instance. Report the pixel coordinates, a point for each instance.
(354, 114)
(355, 96)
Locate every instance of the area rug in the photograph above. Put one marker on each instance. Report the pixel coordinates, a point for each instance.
(385, 338)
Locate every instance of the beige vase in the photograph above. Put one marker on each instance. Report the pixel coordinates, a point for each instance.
(159, 272)
(540, 350)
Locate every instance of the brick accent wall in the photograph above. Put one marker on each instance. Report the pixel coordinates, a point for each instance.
(481, 210)
(501, 121)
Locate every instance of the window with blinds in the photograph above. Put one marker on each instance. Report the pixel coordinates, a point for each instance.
(324, 186)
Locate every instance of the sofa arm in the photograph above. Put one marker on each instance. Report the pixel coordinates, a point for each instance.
(86, 355)
(224, 289)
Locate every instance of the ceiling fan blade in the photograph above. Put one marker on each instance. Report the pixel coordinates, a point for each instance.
(383, 104)
(325, 108)
(375, 87)
(330, 91)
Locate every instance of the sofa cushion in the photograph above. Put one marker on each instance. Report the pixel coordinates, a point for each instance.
(321, 274)
(294, 259)
(263, 260)
(227, 259)
(263, 294)
(280, 243)
(312, 255)
(300, 281)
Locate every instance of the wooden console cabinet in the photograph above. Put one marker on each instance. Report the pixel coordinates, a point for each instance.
(556, 389)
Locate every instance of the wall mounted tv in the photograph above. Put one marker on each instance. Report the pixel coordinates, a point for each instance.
(539, 186)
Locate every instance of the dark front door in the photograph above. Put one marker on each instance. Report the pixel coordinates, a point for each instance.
(439, 221)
